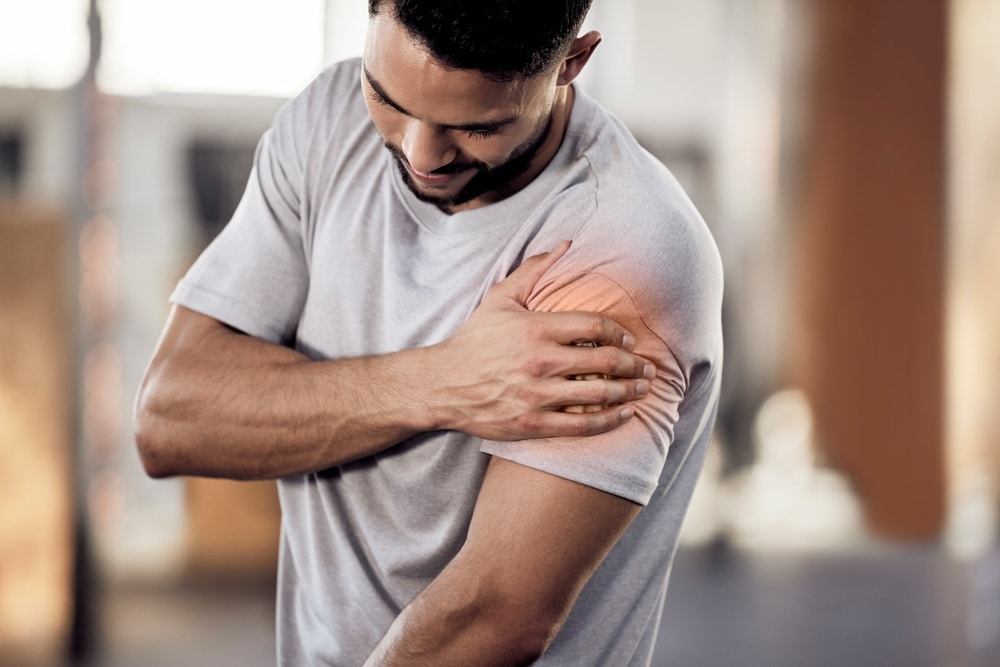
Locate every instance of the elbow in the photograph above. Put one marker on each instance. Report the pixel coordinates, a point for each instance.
(534, 638)
(525, 641)
(467, 607)
(151, 456)
(151, 439)
(530, 650)
(525, 636)
(534, 618)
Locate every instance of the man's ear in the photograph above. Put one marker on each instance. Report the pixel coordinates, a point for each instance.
(579, 53)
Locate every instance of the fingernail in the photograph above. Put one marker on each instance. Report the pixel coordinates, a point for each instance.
(648, 372)
(626, 413)
(642, 387)
(628, 342)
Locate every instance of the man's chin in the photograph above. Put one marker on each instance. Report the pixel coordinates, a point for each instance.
(441, 195)
(461, 187)
(454, 192)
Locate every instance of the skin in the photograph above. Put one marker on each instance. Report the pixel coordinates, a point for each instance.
(216, 402)
(443, 148)
(503, 598)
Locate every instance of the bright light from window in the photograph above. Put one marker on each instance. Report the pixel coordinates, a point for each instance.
(262, 47)
(43, 43)
(346, 25)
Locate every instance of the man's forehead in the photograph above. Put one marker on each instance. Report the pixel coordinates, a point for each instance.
(403, 71)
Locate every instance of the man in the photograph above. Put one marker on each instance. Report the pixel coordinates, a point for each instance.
(368, 330)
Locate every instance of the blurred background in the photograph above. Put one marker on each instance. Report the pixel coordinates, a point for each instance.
(846, 155)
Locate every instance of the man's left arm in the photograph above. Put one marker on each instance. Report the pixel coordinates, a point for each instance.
(534, 541)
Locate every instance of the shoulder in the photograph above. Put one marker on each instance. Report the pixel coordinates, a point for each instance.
(332, 100)
(637, 205)
(322, 129)
(337, 86)
(644, 252)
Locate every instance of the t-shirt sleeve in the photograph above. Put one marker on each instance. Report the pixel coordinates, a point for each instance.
(628, 460)
(254, 276)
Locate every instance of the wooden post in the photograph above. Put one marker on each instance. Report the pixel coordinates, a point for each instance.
(870, 295)
(36, 501)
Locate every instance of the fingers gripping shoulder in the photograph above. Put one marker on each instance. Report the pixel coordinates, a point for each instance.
(648, 321)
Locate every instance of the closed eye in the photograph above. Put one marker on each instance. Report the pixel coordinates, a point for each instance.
(472, 130)
(377, 98)
(484, 133)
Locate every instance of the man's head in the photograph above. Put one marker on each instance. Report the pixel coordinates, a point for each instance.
(471, 96)
(502, 39)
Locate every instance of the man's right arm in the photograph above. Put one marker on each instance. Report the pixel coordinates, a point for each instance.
(220, 403)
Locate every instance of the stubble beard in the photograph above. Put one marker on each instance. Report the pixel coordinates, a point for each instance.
(487, 179)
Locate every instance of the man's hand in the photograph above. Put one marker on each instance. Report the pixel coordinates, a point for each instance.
(206, 405)
(507, 373)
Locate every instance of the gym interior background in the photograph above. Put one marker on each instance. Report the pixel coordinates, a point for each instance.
(845, 154)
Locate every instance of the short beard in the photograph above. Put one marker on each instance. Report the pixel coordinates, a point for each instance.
(487, 179)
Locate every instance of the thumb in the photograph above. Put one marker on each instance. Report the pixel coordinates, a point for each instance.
(519, 285)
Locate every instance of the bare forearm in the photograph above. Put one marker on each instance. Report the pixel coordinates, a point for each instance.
(505, 596)
(452, 624)
(234, 406)
(216, 402)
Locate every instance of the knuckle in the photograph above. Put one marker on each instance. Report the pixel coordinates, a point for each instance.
(608, 423)
(595, 328)
(594, 393)
(534, 328)
(536, 367)
(529, 424)
(580, 425)
(608, 360)
(530, 396)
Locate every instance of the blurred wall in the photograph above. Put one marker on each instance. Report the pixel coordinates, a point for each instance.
(172, 526)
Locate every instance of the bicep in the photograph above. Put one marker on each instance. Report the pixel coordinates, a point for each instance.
(538, 538)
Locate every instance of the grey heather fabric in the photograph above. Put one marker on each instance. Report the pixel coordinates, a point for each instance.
(331, 254)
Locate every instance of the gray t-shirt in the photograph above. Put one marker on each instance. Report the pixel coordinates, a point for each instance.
(331, 254)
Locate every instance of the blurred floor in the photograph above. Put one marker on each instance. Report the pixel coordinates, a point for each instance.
(190, 625)
(883, 606)
(880, 606)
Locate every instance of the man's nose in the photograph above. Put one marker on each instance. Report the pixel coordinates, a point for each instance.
(427, 147)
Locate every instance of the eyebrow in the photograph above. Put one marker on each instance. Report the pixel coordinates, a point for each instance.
(488, 126)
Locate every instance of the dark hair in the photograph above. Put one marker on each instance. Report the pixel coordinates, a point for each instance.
(503, 39)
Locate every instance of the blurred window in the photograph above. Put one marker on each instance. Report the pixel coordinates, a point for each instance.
(217, 173)
(256, 47)
(43, 43)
